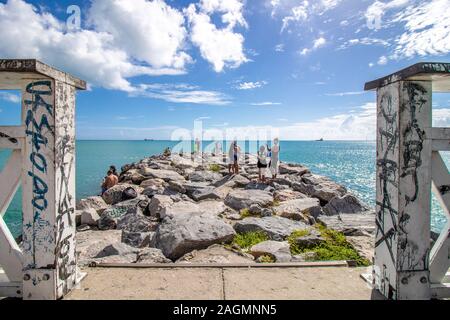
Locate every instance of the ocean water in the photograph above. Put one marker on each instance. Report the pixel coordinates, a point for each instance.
(349, 163)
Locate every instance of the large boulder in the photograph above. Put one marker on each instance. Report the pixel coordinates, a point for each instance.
(117, 253)
(196, 187)
(97, 203)
(354, 224)
(206, 194)
(299, 209)
(216, 254)
(114, 195)
(137, 239)
(232, 181)
(276, 228)
(89, 217)
(152, 256)
(180, 208)
(111, 216)
(288, 194)
(242, 199)
(184, 233)
(324, 191)
(345, 204)
(157, 183)
(158, 203)
(135, 221)
(212, 207)
(204, 176)
(280, 251)
(293, 169)
(166, 175)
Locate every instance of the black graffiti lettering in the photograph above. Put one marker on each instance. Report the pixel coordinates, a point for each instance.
(42, 164)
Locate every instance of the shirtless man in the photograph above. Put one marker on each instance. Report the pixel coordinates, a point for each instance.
(110, 181)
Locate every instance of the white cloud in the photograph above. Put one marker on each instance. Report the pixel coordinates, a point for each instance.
(279, 47)
(343, 94)
(364, 41)
(251, 85)
(104, 57)
(375, 12)
(10, 97)
(317, 44)
(181, 93)
(427, 30)
(153, 32)
(441, 118)
(265, 104)
(383, 60)
(300, 11)
(222, 47)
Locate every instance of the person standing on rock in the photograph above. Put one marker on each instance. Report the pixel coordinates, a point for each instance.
(262, 164)
(275, 158)
(233, 158)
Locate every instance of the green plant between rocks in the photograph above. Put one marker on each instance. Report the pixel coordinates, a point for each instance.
(245, 213)
(215, 167)
(266, 259)
(249, 239)
(335, 247)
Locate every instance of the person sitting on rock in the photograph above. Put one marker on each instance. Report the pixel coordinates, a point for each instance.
(110, 181)
(262, 164)
(114, 171)
(167, 152)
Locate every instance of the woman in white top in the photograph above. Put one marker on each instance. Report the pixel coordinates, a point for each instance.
(275, 158)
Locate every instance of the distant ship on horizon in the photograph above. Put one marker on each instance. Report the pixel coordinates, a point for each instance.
(320, 140)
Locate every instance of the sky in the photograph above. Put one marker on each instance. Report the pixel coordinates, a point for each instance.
(156, 69)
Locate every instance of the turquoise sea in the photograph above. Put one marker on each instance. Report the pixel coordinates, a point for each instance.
(349, 163)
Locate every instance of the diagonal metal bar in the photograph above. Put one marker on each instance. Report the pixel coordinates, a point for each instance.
(10, 180)
(10, 254)
(440, 253)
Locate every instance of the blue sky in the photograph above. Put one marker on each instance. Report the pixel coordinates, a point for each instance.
(295, 66)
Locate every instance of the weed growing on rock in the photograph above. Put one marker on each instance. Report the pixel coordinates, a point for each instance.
(249, 239)
(334, 248)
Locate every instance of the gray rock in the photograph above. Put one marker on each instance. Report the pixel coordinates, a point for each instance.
(305, 257)
(255, 209)
(355, 224)
(157, 204)
(288, 194)
(157, 183)
(309, 241)
(277, 228)
(293, 169)
(278, 250)
(180, 208)
(78, 214)
(96, 203)
(196, 187)
(324, 191)
(166, 175)
(266, 213)
(111, 216)
(299, 209)
(177, 186)
(114, 195)
(89, 217)
(137, 239)
(241, 199)
(184, 233)
(119, 249)
(364, 245)
(259, 186)
(206, 194)
(137, 178)
(345, 204)
(232, 181)
(204, 176)
(135, 221)
(216, 254)
(151, 256)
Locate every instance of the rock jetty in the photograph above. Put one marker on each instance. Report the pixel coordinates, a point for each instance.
(174, 209)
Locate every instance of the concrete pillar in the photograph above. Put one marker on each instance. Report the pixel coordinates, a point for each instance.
(47, 176)
(403, 190)
(404, 175)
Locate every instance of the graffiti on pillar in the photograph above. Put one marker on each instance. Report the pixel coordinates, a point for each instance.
(413, 138)
(65, 199)
(387, 173)
(38, 122)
